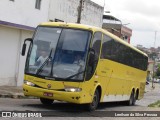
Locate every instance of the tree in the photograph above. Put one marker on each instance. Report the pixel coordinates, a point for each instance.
(152, 55)
(158, 71)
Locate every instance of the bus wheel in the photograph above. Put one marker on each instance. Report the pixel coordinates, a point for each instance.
(132, 99)
(46, 101)
(92, 106)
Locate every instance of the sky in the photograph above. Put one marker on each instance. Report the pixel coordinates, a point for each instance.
(143, 17)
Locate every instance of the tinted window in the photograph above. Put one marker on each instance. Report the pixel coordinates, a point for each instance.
(59, 53)
(106, 47)
(74, 40)
(94, 56)
(97, 43)
(118, 52)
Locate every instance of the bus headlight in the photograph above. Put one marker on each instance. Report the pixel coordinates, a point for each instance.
(29, 83)
(73, 89)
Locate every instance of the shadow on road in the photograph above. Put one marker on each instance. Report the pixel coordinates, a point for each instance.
(69, 107)
(62, 109)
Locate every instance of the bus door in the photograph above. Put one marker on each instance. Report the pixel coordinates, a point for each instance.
(93, 66)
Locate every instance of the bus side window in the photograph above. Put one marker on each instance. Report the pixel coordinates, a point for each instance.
(92, 63)
(106, 52)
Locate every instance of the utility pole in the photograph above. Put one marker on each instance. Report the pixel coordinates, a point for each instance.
(155, 38)
(153, 72)
(79, 11)
(154, 57)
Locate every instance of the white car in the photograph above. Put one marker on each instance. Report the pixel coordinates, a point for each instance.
(156, 80)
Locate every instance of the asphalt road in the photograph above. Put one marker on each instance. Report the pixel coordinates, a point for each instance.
(67, 111)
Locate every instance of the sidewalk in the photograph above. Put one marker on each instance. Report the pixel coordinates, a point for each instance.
(151, 95)
(11, 92)
(148, 88)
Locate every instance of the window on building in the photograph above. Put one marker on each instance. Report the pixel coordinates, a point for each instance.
(38, 4)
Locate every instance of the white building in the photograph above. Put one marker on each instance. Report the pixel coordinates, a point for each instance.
(66, 10)
(18, 19)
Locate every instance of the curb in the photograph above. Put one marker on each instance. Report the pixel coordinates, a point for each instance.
(17, 96)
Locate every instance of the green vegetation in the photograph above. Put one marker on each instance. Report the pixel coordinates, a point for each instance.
(156, 104)
(152, 55)
(158, 70)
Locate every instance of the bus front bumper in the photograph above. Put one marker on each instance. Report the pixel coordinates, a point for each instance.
(72, 97)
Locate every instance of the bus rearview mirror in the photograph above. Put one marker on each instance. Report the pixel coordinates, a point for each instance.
(23, 49)
(24, 45)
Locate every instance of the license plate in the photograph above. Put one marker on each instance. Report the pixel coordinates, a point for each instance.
(48, 94)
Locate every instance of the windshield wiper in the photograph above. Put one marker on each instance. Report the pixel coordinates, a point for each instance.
(74, 75)
(40, 68)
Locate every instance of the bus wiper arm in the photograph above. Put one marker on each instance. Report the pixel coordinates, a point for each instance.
(40, 68)
(74, 75)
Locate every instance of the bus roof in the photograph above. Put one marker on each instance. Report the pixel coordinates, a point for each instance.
(91, 28)
(70, 25)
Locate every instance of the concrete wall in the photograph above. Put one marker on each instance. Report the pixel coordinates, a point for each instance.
(16, 16)
(8, 52)
(21, 12)
(24, 12)
(66, 10)
(22, 59)
(10, 46)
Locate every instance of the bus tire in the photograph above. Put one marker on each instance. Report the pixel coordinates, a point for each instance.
(46, 101)
(131, 99)
(134, 99)
(95, 101)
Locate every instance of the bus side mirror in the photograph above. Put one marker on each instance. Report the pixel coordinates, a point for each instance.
(24, 45)
(24, 49)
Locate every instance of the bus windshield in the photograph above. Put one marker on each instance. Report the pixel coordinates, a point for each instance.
(58, 53)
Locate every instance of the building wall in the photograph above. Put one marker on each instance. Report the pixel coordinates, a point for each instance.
(19, 12)
(66, 10)
(10, 39)
(126, 33)
(8, 52)
(22, 59)
(16, 16)
(24, 12)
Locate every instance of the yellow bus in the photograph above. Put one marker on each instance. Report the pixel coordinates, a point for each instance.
(82, 64)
